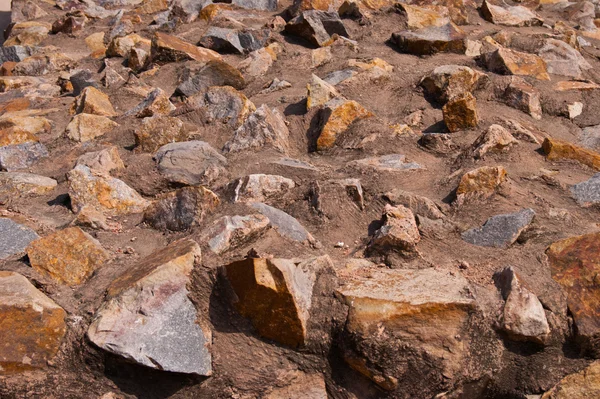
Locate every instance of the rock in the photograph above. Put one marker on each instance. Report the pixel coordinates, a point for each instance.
(190, 162)
(105, 160)
(19, 183)
(81, 79)
(149, 319)
(121, 46)
(327, 198)
(574, 264)
(563, 59)
(480, 183)
(574, 110)
(419, 17)
(386, 163)
(152, 6)
(320, 56)
(26, 11)
(93, 101)
(434, 39)
(158, 131)
(448, 81)
(521, 95)
(95, 42)
(28, 34)
(15, 53)
(187, 10)
(524, 318)
(576, 85)
(336, 117)
(557, 150)
(581, 385)
(181, 209)
(25, 121)
(69, 256)
(337, 77)
(156, 103)
(258, 63)
(276, 85)
(264, 127)
(86, 127)
(317, 27)
(259, 187)
(286, 225)
(305, 386)
(223, 103)
(102, 192)
(138, 57)
(587, 193)
(416, 203)
(398, 232)
(460, 112)
(21, 156)
(214, 73)
(276, 295)
(230, 232)
(433, 345)
(438, 143)
(509, 15)
(166, 49)
(32, 328)
(12, 135)
(69, 24)
(225, 40)
(14, 238)
(500, 231)
(510, 62)
(495, 138)
(263, 5)
(319, 92)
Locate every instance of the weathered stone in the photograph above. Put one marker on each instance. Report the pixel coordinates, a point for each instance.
(12, 135)
(500, 231)
(152, 6)
(438, 143)
(138, 57)
(434, 39)
(166, 49)
(95, 41)
(495, 138)
(121, 46)
(225, 40)
(229, 232)
(319, 92)
(26, 121)
(419, 17)
(93, 219)
(448, 81)
(181, 209)
(93, 101)
(258, 62)
(69, 24)
(80, 79)
(190, 162)
(38, 65)
(8, 83)
(14, 53)
(105, 160)
(416, 203)
(86, 127)
(509, 15)
(26, 11)
(102, 192)
(386, 163)
(214, 73)
(562, 59)
(317, 27)
(264, 127)
(286, 225)
(336, 117)
(14, 238)
(32, 325)
(19, 183)
(511, 62)
(259, 187)
(21, 156)
(328, 197)
(460, 112)
(320, 56)
(223, 103)
(187, 10)
(398, 232)
(156, 103)
(557, 150)
(68, 256)
(276, 295)
(264, 5)
(149, 319)
(523, 96)
(576, 85)
(304, 386)
(480, 183)
(276, 85)
(28, 34)
(582, 385)
(158, 131)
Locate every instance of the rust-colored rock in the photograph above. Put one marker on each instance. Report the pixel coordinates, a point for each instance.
(158, 131)
(582, 385)
(166, 48)
(11, 136)
(460, 112)
(93, 101)
(86, 127)
(480, 183)
(424, 16)
(338, 115)
(512, 62)
(557, 150)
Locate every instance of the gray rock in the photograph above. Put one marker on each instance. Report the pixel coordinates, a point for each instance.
(230, 232)
(82, 79)
(223, 103)
(187, 10)
(214, 73)
(587, 193)
(190, 162)
(500, 231)
(225, 40)
(259, 187)
(264, 5)
(431, 40)
(590, 137)
(562, 59)
(386, 163)
(285, 224)
(264, 127)
(337, 77)
(19, 183)
(14, 238)
(295, 163)
(316, 26)
(14, 53)
(20, 156)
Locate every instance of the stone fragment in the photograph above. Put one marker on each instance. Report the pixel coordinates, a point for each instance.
(264, 127)
(495, 138)
(32, 326)
(319, 92)
(434, 39)
(386, 163)
(582, 385)
(317, 27)
(187, 10)
(190, 162)
(152, 6)
(26, 121)
(587, 193)
(28, 34)
(149, 319)
(511, 62)
(336, 117)
(500, 231)
(69, 256)
(328, 197)
(509, 15)
(230, 232)
(86, 127)
(138, 57)
(105, 160)
(69, 24)
(320, 56)
(121, 46)
(521, 95)
(223, 103)
(102, 192)
(557, 150)
(258, 63)
(80, 79)
(460, 112)
(14, 53)
(480, 183)
(95, 41)
(562, 59)
(259, 187)
(448, 81)
(156, 103)
(398, 232)
(225, 40)
(305, 386)
(524, 318)
(14, 238)
(20, 183)
(276, 295)
(12, 135)
(21, 156)
(419, 17)
(93, 101)
(276, 85)
(38, 65)
(214, 73)
(438, 143)
(576, 85)
(286, 225)
(26, 11)
(574, 109)
(416, 203)
(158, 131)
(166, 49)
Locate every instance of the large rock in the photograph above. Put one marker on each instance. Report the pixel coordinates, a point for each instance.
(22, 183)
(93, 101)
(225, 40)
(68, 256)
(511, 62)
(587, 193)
(317, 27)
(448, 81)
(480, 183)
(149, 319)
(158, 131)
(86, 127)
(156, 103)
(32, 325)
(494, 139)
(398, 232)
(259, 187)
(562, 59)
(509, 15)
(418, 17)
(500, 231)
(21, 156)
(336, 117)
(319, 92)
(285, 224)
(38, 65)
(230, 232)
(166, 49)
(557, 150)
(460, 112)
(582, 385)
(14, 238)
(121, 46)
(264, 127)
(223, 103)
(434, 39)
(215, 73)
(190, 162)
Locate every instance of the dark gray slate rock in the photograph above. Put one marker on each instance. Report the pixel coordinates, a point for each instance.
(286, 225)
(316, 26)
(14, 238)
(214, 73)
(82, 79)
(587, 193)
(20, 156)
(225, 40)
(14, 53)
(500, 231)
(190, 162)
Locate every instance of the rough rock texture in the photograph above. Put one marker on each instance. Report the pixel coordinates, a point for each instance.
(15, 238)
(480, 183)
(431, 40)
(509, 16)
(448, 81)
(494, 139)
(285, 224)
(317, 27)
(523, 96)
(259, 187)
(230, 232)
(264, 127)
(500, 231)
(511, 62)
(398, 232)
(557, 150)
(587, 193)
(21, 183)
(86, 127)
(581, 385)
(460, 112)
(21, 156)
(158, 131)
(93, 101)
(190, 162)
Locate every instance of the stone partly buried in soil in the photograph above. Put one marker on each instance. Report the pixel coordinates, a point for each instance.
(521, 95)
(587, 193)
(448, 81)
(259, 187)
(32, 325)
(500, 231)
(286, 225)
(276, 295)
(69, 256)
(460, 112)
(398, 232)
(230, 232)
(20, 183)
(224, 104)
(431, 40)
(158, 131)
(105, 160)
(509, 16)
(149, 319)
(557, 150)
(582, 385)
(424, 16)
(494, 139)
(575, 265)
(166, 48)
(21, 156)
(86, 127)
(196, 79)
(386, 163)
(480, 183)
(512, 62)
(418, 204)
(14, 238)
(337, 116)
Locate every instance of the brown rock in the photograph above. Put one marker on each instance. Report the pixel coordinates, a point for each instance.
(431, 40)
(480, 183)
(418, 17)
(523, 96)
(399, 231)
(448, 81)
(319, 92)
(495, 138)
(93, 101)
(509, 15)
(337, 116)
(166, 48)
(557, 150)
(86, 127)
(158, 131)
(120, 46)
(152, 6)
(12, 135)
(21, 183)
(582, 385)
(511, 62)
(105, 160)
(460, 112)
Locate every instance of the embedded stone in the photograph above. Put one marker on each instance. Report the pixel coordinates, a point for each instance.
(521, 95)
(93, 101)
(225, 40)
(21, 156)
(317, 27)
(166, 49)
(43, 64)
(195, 80)
(13, 135)
(156, 103)
(285, 224)
(500, 231)
(386, 163)
(511, 62)
(480, 183)
(419, 17)
(230, 232)
(494, 139)
(448, 81)
(319, 92)
(86, 127)
(509, 15)
(158, 131)
(121, 46)
(433, 39)
(398, 232)
(562, 59)
(20, 183)
(337, 116)
(418, 204)
(105, 160)
(581, 385)
(259, 187)
(223, 103)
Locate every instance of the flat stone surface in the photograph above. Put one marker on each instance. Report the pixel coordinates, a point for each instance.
(480, 183)
(21, 156)
(190, 162)
(431, 40)
(509, 15)
(14, 238)
(230, 232)
(587, 193)
(286, 225)
(500, 231)
(386, 163)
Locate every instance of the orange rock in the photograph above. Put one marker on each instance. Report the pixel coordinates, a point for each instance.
(14, 135)
(424, 16)
(7, 68)
(211, 11)
(166, 48)
(556, 150)
(152, 6)
(18, 104)
(511, 62)
(93, 101)
(480, 183)
(339, 115)
(460, 112)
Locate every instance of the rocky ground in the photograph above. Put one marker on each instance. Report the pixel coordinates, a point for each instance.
(317, 199)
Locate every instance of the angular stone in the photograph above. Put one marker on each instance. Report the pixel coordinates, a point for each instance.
(286, 225)
(225, 40)
(166, 49)
(80, 79)
(93, 101)
(102, 192)
(557, 150)
(26, 11)
(398, 232)
(28, 34)
(500, 231)
(434, 39)
(230, 232)
(152, 6)
(438, 143)
(19, 183)
(149, 319)
(25, 121)
(511, 62)
(276, 295)
(419, 17)
(320, 56)
(14, 238)
(386, 163)
(32, 326)
(121, 46)
(305, 386)
(495, 139)
(86, 127)
(562, 59)
(158, 131)
(263, 5)
(416, 203)
(21, 156)
(187, 10)
(258, 63)
(319, 92)
(521, 95)
(38, 65)
(460, 112)
(181, 209)
(190, 162)
(509, 15)
(259, 187)
(14, 53)
(582, 385)
(264, 127)
(105, 160)
(214, 73)
(317, 27)
(12, 135)
(576, 85)
(223, 103)
(69, 24)
(480, 183)
(69, 256)
(448, 81)
(336, 117)
(156, 103)
(95, 42)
